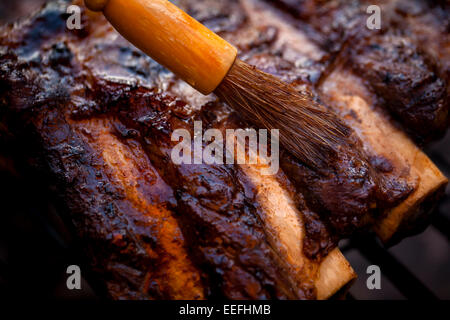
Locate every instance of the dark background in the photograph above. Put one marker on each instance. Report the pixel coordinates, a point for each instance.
(36, 248)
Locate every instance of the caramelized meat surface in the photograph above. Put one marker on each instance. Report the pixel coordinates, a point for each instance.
(407, 82)
(406, 62)
(102, 115)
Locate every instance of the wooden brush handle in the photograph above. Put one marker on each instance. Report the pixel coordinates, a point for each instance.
(173, 38)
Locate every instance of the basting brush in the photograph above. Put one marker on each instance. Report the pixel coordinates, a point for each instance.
(209, 64)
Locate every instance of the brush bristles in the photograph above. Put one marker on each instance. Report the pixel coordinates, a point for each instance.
(310, 132)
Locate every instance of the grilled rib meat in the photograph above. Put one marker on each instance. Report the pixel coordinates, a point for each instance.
(102, 113)
(406, 63)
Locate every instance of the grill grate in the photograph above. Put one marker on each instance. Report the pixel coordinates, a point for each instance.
(397, 273)
(404, 282)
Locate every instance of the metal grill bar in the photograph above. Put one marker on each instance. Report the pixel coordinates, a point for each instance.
(442, 224)
(396, 272)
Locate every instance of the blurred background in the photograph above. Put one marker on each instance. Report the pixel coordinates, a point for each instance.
(36, 247)
(11, 10)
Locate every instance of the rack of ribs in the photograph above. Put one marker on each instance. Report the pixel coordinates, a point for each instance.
(97, 115)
